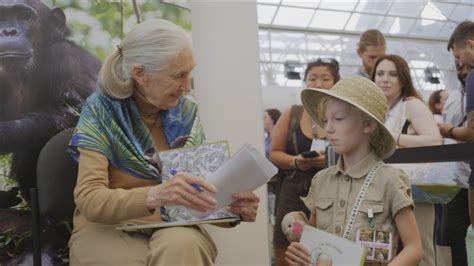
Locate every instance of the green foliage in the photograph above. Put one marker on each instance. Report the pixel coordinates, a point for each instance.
(6, 180)
(97, 25)
(12, 243)
(63, 255)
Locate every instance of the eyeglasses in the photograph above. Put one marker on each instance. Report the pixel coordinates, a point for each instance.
(324, 61)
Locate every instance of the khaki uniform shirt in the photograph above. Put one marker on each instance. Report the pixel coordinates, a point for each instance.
(333, 193)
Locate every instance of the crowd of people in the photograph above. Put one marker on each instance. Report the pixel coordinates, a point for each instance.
(411, 122)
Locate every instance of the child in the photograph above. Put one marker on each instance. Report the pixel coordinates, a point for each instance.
(352, 115)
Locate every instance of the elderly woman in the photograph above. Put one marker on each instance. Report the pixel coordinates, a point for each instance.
(140, 110)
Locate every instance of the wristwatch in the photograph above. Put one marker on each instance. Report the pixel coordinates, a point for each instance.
(450, 132)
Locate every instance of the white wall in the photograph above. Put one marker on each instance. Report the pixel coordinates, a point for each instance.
(280, 98)
(227, 89)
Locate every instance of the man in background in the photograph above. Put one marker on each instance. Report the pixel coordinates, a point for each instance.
(455, 214)
(461, 43)
(370, 47)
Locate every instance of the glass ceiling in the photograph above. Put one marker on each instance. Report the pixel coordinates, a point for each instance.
(276, 47)
(433, 19)
(417, 30)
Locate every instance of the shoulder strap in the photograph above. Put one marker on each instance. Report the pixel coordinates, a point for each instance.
(359, 199)
(463, 120)
(402, 122)
(409, 98)
(296, 113)
(405, 127)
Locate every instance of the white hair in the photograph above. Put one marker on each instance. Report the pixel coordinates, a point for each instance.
(153, 44)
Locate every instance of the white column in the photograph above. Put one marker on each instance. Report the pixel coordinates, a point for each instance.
(228, 92)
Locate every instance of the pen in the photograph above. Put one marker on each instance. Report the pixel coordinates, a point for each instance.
(198, 187)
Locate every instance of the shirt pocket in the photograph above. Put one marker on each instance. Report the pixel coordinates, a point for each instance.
(324, 212)
(377, 209)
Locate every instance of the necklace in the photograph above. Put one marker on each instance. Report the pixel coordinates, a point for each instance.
(151, 155)
(150, 129)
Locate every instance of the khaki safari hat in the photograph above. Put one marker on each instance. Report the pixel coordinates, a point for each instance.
(360, 92)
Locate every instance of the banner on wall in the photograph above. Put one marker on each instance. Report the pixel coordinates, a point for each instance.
(50, 57)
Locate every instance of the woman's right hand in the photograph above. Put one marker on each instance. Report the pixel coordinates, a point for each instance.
(180, 191)
(297, 254)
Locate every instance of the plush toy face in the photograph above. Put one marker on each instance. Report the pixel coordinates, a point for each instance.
(292, 227)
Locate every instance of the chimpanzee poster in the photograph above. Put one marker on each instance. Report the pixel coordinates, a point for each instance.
(50, 57)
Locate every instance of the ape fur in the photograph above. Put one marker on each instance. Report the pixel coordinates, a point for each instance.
(44, 78)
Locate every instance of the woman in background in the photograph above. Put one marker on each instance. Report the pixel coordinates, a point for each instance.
(436, 104)
(270, 118)
(292, 135)
(412, 125)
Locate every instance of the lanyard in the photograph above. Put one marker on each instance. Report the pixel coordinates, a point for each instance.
(360, 197)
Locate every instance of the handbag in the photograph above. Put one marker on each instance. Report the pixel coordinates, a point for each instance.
(275, 183)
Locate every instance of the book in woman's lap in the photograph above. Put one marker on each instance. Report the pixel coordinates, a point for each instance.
(245, 171)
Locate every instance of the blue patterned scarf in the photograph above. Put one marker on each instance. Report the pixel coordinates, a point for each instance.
(115, 129)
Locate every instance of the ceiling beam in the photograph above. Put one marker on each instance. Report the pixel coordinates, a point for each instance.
(352, 33)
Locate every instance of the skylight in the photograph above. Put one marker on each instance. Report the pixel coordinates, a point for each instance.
(407, 17)
(290, 16)
(300, 3)
(346, 5)
(432, 12)
(265, 13)
(329, 20)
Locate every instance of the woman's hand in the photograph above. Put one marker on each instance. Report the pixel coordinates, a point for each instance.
(297, 254)
(181, 190)
(246, 205)
(444, 128)
(305, 164)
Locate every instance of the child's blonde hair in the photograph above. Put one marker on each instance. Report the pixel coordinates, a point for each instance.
(376, 141)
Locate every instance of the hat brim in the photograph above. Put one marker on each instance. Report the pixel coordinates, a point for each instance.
(311, 99)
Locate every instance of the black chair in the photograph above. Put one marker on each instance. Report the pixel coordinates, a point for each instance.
(56, 178)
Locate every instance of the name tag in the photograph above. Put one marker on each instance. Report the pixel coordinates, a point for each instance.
(377, 242)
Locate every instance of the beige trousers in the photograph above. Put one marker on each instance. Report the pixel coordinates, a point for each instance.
(100, 244)
(425, 218)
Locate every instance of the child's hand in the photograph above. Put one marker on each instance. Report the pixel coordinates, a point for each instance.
(297, 254)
